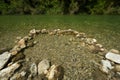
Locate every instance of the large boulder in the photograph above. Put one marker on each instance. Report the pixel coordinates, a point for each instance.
(113, 57)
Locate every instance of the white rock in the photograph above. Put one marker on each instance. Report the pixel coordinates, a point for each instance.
(113, 57)
(4, 59)
(33, 69)
(43, 31)
(90, 40)
(99, 45)
(54, 72)
(43, 66)
(106, 66)
(33, 31)
(23, 73)
(80, 35)
(7, 72)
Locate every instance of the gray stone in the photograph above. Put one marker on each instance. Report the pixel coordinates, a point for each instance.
(7, 72)
(43, 66)
(113, 57)
(33, 69)
(106, 66)
(4, 59)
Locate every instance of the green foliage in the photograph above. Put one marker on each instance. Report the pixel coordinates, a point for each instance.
(98, 8)
(59, 7)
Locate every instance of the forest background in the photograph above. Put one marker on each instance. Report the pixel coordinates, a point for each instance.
(59, 7)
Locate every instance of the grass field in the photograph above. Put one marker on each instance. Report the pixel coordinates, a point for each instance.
(77, 62)
(105, 28)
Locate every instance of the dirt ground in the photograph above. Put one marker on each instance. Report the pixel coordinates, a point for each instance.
(78, 62)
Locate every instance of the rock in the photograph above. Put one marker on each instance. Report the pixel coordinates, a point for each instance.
(54, 73)
(114, 51)
(70, 32)
(102, 49)
(113, 57)
(44, 31)
(4, 59)
(7, 72)
(21, 43)
(80, 35)
(54, 32)
(35, 42)
(18, 76)
(99, 45)
(43, 66)
(67, 32)
(75, 32)
(9, 64)
(33, 31)
(15, 49)
(72, 39)
(94, 41)
(95, 47)
(33, 69)
(90, 41)
(13, 52)
(106, 66)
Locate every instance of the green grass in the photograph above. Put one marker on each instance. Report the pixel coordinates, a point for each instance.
(103, 27)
